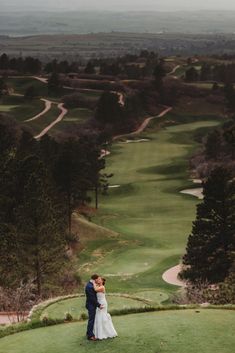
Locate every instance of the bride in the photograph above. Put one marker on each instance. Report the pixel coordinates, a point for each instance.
(103, 327)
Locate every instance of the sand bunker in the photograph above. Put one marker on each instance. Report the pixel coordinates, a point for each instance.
(196, 192)
(171, 276)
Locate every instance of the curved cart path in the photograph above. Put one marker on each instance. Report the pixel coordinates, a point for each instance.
(171, 276)
(174, 70)
(144, 124)
(44, 111)
(64, 111)
(41, 79)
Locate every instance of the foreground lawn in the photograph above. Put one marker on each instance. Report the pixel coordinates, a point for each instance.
(189, 331)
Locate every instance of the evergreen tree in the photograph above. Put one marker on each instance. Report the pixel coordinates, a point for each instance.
(159, 74)
(10, 267)
(109, 109)
(90, 69)
(191, 75)
(230, 96)
(211, 243)
(53, 83)
(213, 145)
(4, 62)
(30, 93)
(70, 176)
(40, 227)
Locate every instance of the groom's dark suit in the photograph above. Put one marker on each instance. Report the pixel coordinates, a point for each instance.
(91, 305)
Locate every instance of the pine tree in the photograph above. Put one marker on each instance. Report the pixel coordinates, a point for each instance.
(30, 93)
(40, 227)
(213, 144)
(159, 74)
(191, 75)
(53, 83)
(109, 110)
(71, 176)
(211, 243)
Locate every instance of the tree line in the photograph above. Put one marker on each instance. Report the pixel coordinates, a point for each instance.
(210, 252)
(41, 184)
(224, 73)
(128, 66)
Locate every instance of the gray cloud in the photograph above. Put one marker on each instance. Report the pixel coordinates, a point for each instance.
(161, 5)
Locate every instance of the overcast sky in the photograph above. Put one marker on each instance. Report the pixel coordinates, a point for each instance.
(162, 5)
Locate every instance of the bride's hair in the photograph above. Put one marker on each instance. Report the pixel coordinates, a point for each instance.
(103, 280)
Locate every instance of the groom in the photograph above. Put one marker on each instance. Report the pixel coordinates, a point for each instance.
(91, 305)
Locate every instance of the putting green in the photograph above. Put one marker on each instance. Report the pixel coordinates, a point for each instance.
(152, 218)
(187, 331)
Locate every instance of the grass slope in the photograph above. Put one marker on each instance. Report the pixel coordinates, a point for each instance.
(20, 109)
(189, 331)
(76, 306)
(151, 216)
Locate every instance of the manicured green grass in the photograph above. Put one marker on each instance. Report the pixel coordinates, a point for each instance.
(90, 94)
(180, 71)
(72, 120)
(19, 108)
(20, 85)
(39, 124)
(188, 331)
(76, 306)
(78, 115)
(147, 210)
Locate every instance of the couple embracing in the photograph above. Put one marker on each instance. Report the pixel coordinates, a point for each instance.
(100, 324)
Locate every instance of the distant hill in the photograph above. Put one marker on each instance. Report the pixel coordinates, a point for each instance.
(35, 22)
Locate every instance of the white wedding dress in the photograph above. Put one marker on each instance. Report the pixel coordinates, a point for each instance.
(103, 327)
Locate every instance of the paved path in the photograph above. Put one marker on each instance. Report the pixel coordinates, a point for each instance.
(41, 79)
(174, 70)
(10, 318)
(64, 111)
(171, 276)
(144, 124)
(44, 111)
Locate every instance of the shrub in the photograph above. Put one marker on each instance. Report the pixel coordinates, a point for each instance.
(68, 317)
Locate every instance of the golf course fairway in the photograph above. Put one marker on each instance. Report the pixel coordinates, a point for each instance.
(148, 214)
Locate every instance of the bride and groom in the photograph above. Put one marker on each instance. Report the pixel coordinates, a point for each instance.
(100, 324)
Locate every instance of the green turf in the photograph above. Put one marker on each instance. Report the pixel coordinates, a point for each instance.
(189, 331)
(78, 115)
(19, 108)
(76, 306)
(20, 85)
(39, 124)
(72, 120)
(152, 218)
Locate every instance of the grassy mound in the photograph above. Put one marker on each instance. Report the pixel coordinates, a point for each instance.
(76, 306)
(188, 331)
